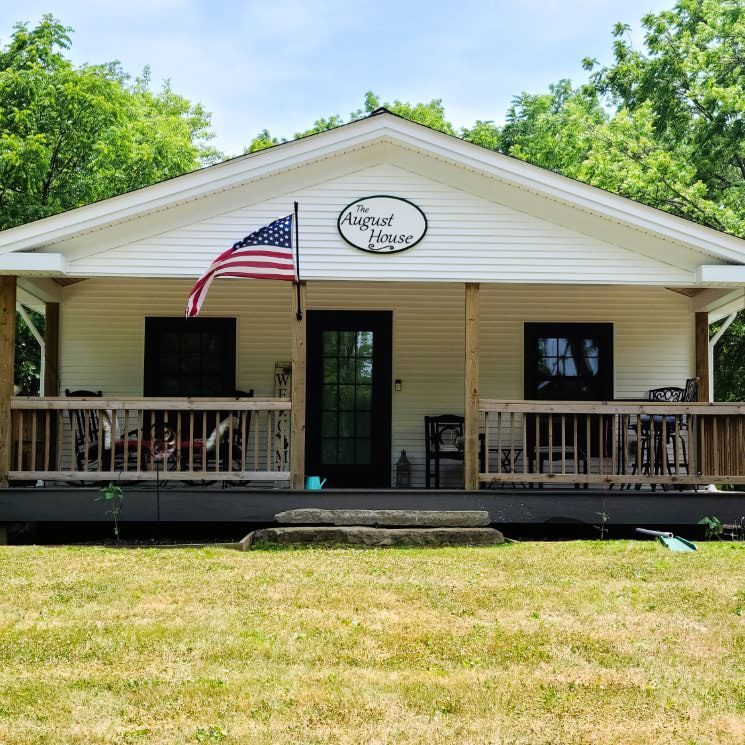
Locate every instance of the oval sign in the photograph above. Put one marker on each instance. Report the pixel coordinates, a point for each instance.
(382, 224)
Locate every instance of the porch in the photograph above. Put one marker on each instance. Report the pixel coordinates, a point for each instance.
(452, 347)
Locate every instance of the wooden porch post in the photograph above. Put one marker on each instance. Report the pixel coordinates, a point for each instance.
(702, 355)
(51, 348)
(471, 428)
(297, 444)
(7, 365)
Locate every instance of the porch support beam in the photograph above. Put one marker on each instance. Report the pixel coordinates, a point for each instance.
(51, 337)
(7, 365)
(297, 443)
(702, 355)
(471, 423)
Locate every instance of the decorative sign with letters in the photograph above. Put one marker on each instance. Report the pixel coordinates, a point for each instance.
(382, 224)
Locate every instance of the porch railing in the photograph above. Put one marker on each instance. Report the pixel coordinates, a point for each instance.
(137, 439)
(612, 443)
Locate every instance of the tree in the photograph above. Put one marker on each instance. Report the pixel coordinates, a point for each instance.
(687, 89)
(555, 130)
(729, 362)
(72, 135)
(430, 114)
(28, 355)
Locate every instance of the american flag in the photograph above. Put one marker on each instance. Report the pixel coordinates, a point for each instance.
(247, 259)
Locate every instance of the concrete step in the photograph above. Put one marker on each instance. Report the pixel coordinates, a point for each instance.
(366, 536)
(386, 518)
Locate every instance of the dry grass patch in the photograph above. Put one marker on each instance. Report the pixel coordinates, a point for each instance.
(588, 642)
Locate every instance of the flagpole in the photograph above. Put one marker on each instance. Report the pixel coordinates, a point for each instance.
(299, 314)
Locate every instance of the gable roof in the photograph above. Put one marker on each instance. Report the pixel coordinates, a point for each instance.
(586, 208)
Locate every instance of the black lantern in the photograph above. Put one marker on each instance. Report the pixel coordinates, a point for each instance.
(403, 472)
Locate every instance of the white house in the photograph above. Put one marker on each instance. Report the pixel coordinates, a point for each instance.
(539, 309)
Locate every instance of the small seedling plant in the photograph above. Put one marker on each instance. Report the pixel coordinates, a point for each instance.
(113, 494)
(604, 517)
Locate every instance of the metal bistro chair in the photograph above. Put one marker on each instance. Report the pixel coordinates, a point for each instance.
(444, 441)
(665, 394)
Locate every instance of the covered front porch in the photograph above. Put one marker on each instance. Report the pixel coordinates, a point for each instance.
(449, 349)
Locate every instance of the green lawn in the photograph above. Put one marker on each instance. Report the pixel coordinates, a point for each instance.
(580, 642)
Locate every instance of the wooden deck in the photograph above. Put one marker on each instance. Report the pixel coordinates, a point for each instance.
(504, 505)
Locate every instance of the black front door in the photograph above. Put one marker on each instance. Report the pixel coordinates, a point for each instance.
(348, 417)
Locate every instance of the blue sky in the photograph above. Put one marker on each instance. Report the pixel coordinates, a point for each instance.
(281, 64)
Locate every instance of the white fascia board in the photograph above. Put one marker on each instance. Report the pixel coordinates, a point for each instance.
(33, 264)
(721, 275)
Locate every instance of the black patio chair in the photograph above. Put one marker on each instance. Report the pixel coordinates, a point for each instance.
(444, 440)
(649, 424)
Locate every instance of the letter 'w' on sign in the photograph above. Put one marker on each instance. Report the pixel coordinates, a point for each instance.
(267, 253)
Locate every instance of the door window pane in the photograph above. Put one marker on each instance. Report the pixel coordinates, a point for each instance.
(330, 342)
(346, 424)
(345, 451)
(330, 370)
(328, 450)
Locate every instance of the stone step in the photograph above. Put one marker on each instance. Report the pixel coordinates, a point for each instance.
(389, 518)
(365, 536)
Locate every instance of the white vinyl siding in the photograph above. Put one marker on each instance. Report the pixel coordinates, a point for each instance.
(102, 337)
(469, 238)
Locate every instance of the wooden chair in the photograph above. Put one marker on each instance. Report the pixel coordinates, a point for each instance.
(444, 441)
(88, 433)
(85, 428)
(239, 446)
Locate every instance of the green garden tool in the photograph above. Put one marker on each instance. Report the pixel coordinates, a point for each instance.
(673, 542)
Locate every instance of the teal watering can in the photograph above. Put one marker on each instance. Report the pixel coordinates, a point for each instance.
(314, 482)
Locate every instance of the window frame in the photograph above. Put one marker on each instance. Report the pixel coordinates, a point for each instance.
(603, 333)
(157, 326)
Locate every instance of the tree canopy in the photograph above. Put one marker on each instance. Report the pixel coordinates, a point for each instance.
(72, 135)
(430, 114)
